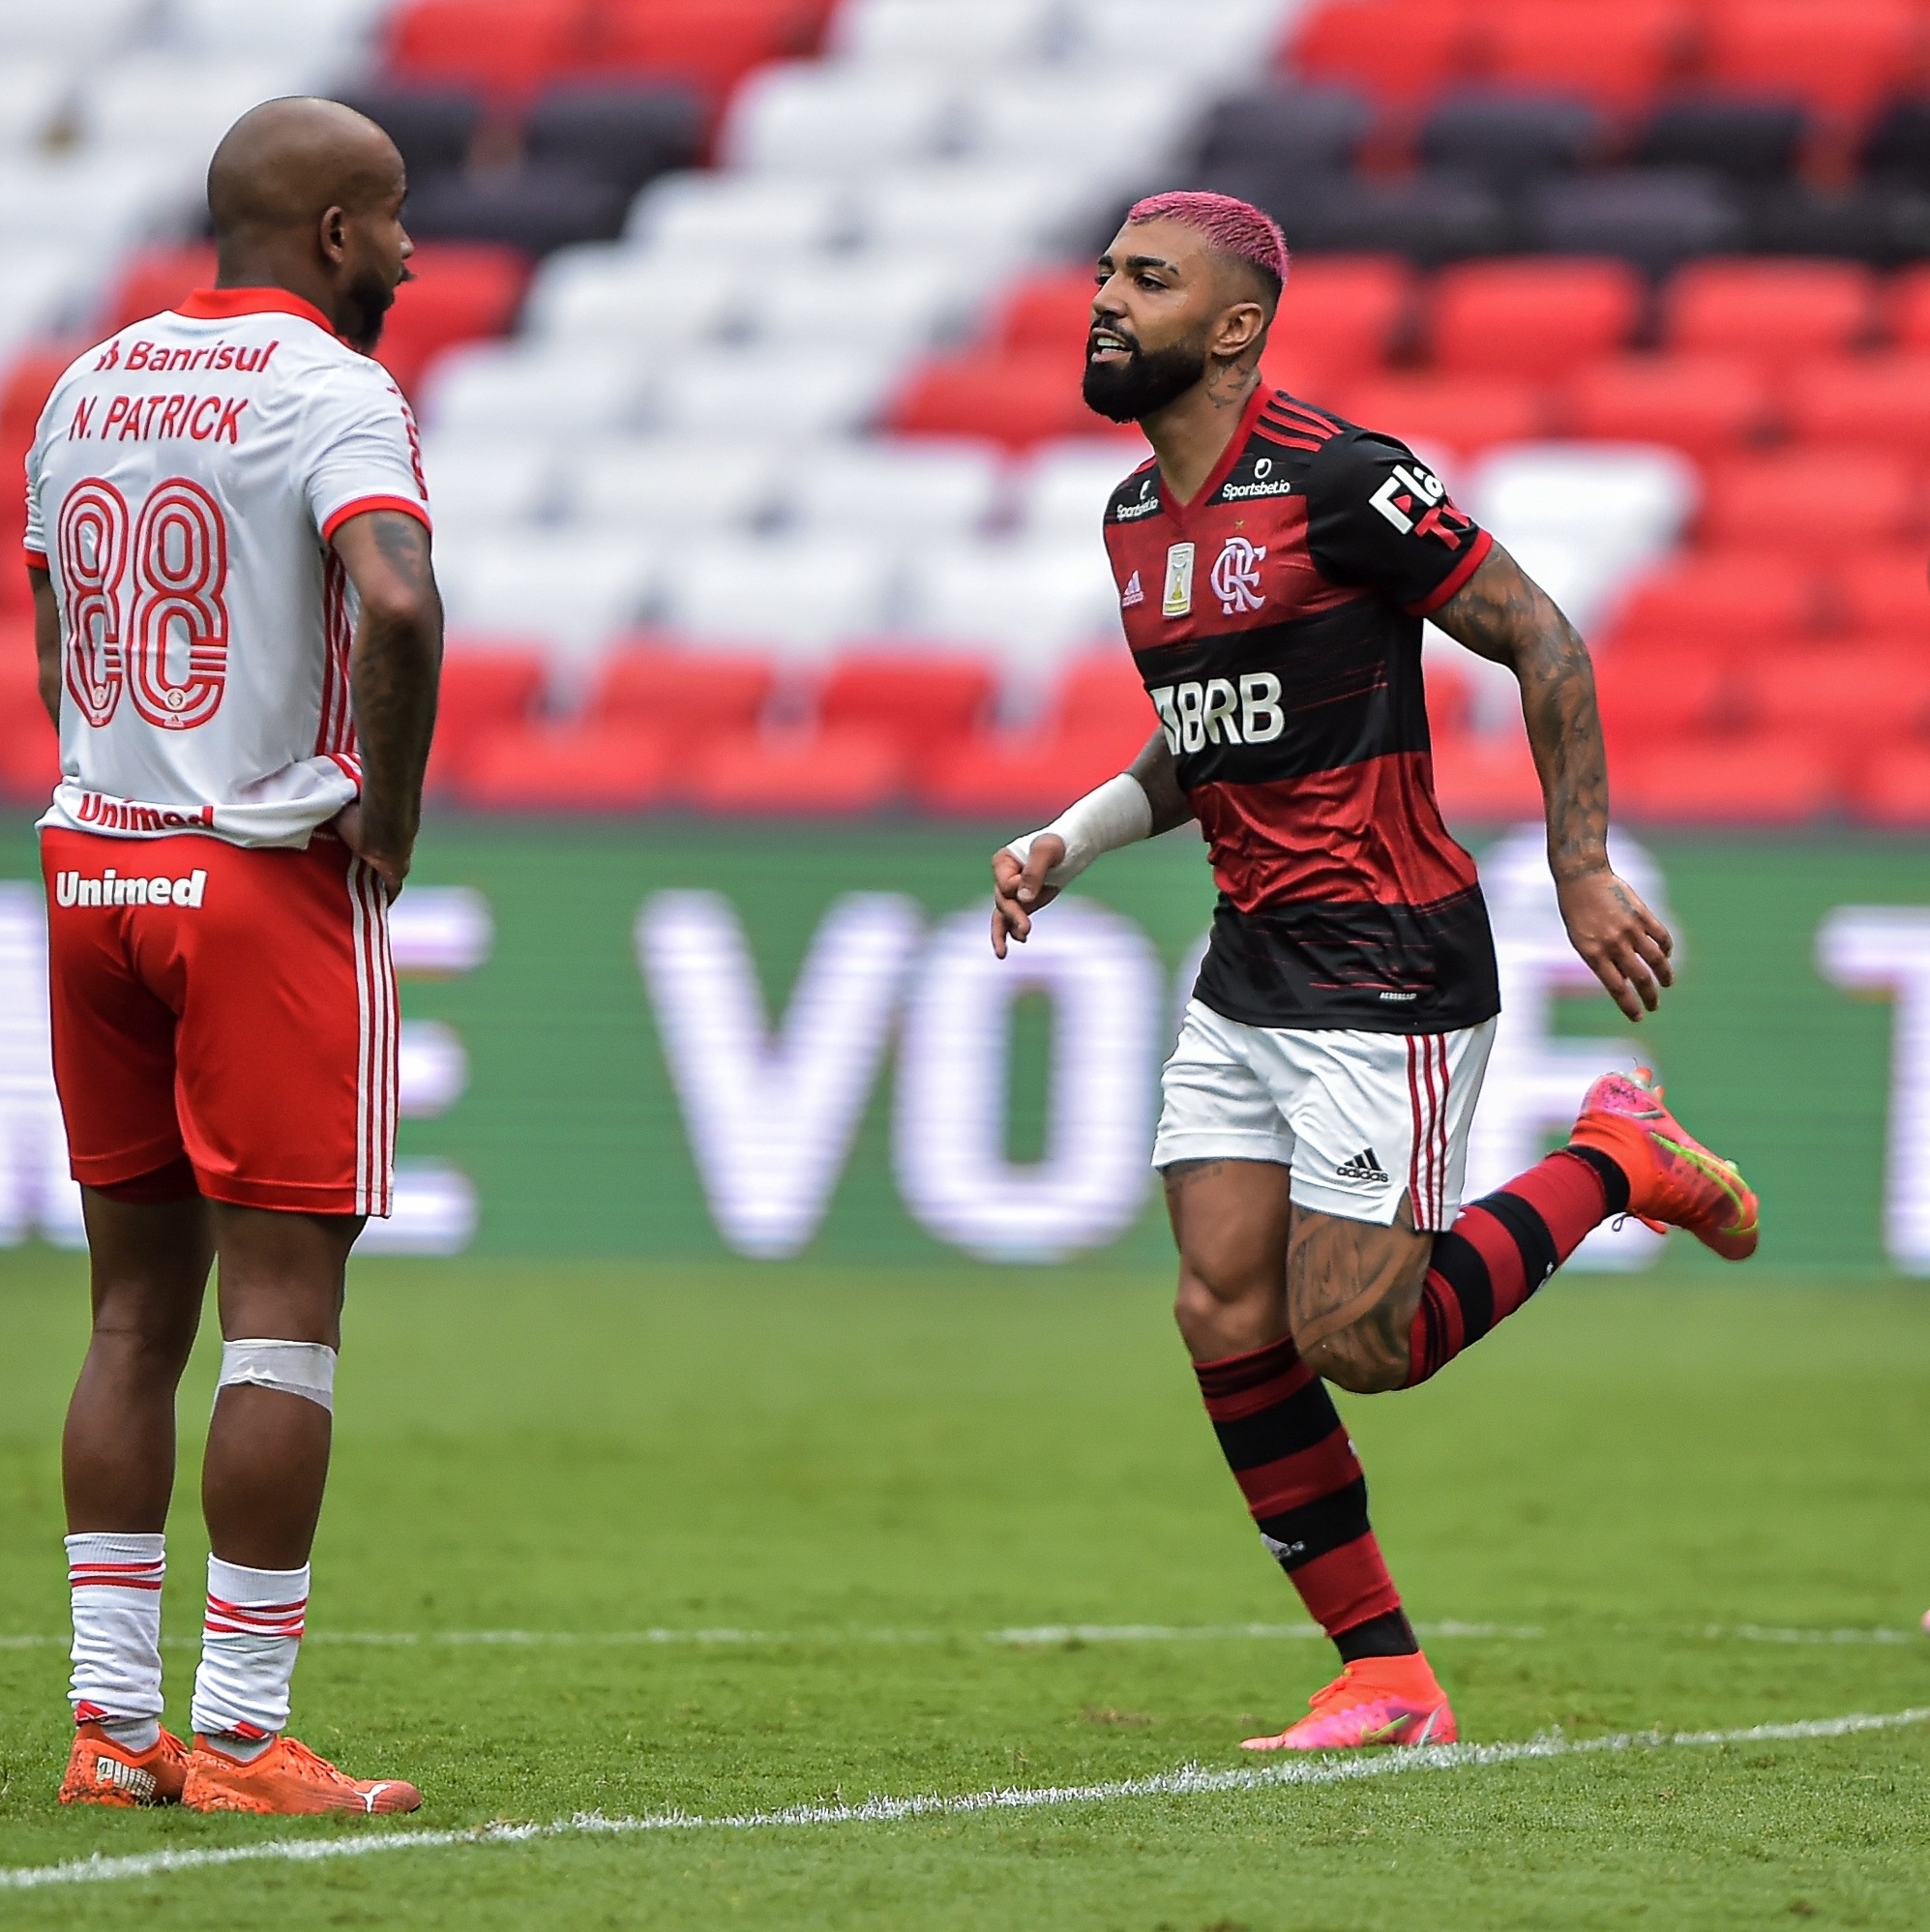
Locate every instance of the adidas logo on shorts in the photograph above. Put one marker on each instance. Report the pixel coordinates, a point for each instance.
(1364, 1165)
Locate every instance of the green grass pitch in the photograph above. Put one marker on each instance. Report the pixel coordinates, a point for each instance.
(1661, 1499)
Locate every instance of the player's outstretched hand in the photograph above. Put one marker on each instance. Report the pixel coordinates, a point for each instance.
(348, 826)
(1626, 946)
(1018, 892)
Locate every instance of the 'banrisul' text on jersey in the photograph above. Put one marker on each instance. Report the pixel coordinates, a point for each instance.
(1276, 620)
(184, 484)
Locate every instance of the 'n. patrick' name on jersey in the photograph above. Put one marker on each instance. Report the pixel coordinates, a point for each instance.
(1276, 620)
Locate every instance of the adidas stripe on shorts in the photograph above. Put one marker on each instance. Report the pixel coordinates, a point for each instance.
(1364, 1120)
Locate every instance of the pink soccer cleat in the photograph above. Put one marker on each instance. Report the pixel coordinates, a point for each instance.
(1374, 1701)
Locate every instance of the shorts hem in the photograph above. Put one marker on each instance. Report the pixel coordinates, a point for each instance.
(111, 1169)
(284, 1197)
(1222, 1144)
(1317, 1197)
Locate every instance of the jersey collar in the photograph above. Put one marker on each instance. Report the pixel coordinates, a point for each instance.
(1263, 392)
(224, 305)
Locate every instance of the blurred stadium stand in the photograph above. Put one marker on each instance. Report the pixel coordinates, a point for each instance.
(747, 337)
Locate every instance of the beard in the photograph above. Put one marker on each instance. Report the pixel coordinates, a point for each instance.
(369, 300)
(1143, 385)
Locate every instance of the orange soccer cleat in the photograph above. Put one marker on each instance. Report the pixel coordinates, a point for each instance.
(1374, 1701)
(1673, 1181)
(287, 1781)
(101, 1772)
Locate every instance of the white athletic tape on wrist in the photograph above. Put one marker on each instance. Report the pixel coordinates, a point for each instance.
(292, 1368)
(1117, 813)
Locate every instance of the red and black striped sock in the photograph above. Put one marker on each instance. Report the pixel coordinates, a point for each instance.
(1289, 1453)
(1502, 1249)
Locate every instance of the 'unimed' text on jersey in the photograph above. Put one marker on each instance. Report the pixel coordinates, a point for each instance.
(1276, 620)
(183, 488)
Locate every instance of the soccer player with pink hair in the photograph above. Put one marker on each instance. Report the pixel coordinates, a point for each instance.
(1275, 563)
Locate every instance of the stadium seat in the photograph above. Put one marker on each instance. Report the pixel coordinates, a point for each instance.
(32, 93)
(29, 753)
(1773, 310)
(1063, 490)
(530, 388)
(695, 485)
(508, 47)
(1704, 404)
(1722, 601)
(433, 128)
(1753, 142)
(1026, 605)
(1426, 219)
(1506, 139)
(479, 483)
(1852, 699)
(687, 697)
(1842, 54)
(799, 595)
(814, 118)
(1873, 400)
(570, 767)
(624, 297)
(1615, 55)
(1907, 306)
(461, 292)
(1880, 592)
(318, 28)
(1823, 498)
(1754, 778)
(1000, 212)
(785, 775)
(923, 34)
(1655, 218)
(1532, 320)
(1032, 776)
(1223, 38)
(709, 44)
(889, 302)
(735, 217)
(1398, 51)
(1655, 691)
(536, 207)
(1015, 399)
(1296, 133)
(904, 489)
(572, 593)
(782, 389)
(624, 135)
(1083, 123)
(1048, 313)
(484, 689)
(1486, 778)
(1346, 313)
(77, 30)
(172, 108)
(1463, 413)
(157, 278)
(923, 704)
(1893, 789)
(1897, 146)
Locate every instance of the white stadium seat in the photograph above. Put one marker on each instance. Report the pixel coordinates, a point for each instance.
(1063, 490)
(998, 213)
(1226, 38)
(89, 202)
(536, 389)
(888, 302)
(32, 93)
(945, 34)
(1099, 128)
(600, 291)
(180, 104)
(904, 491)
(479, 481)
(738, 216)
(312, 27)
(672, 485)
(1028, 604)
(801, 596)
(811, 118)
(775, 391)
(46, 290)
(575, 593)
(70, 30)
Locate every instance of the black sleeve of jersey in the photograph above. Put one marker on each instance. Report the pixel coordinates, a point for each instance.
(1378, 517)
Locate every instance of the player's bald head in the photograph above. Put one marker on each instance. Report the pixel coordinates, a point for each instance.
(285, 163)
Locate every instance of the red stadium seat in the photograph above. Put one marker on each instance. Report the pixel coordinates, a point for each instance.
(1704, 405)
(1838, 53)
(158, 278)
(688, 697)
(1012, 400)
(29, 749)
(1614, 52)
(1818, 496)
(461, 290)
(827, 772)
(923, 704)
(1103, 695)
(1876, 400)
(1721, 599)
(1034, 776)
(1854, 697)
(1339, 315)
(1398, 50)
(574, 767)
(485, 688)
(1534, 319)
(1663, 693)
(1049, 315)
(506, 47)
(1462, 413)
(1487, 778)
(1882, 592)
(1893, 787)
(1754, 778)
(1907, 306)
(28, 381)
(1773, 311)
(711, 43)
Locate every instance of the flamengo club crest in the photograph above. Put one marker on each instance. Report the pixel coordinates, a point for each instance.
(1236, 575)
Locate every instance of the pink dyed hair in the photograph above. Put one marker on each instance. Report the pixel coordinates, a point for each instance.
(1235, 228)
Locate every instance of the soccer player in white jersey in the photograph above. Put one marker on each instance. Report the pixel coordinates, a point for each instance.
(239, 637)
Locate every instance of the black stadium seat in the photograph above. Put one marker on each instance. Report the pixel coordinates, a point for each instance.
(433, 127)
(1290, 131)
(537, 207)
(1747, 138)
(622, 136)
(1505, 139)
(1652, 217)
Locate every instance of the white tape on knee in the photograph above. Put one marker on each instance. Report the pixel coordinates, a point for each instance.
(293, 1368)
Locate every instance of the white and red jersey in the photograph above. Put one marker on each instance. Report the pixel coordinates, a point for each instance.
(184, 484)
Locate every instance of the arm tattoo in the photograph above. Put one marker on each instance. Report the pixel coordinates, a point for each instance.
(394, 672)
(404, 546)
(1502, 615)
(1159, 779)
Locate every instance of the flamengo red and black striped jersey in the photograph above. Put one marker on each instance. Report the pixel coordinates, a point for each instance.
(1276, 620)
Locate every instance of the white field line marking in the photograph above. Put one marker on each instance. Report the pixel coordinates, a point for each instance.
(1757, 1633)
(1188, 1781)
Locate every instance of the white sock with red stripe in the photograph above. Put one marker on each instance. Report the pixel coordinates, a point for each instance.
(249, 1639)
(115, 1583)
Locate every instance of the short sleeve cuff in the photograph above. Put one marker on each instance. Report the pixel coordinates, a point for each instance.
(35, 559)
(361, 506)
(1477, 556)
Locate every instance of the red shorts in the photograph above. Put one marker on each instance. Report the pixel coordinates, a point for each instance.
(234, 1005)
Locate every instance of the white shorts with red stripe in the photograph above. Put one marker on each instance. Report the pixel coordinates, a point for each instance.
(1364, 1120)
